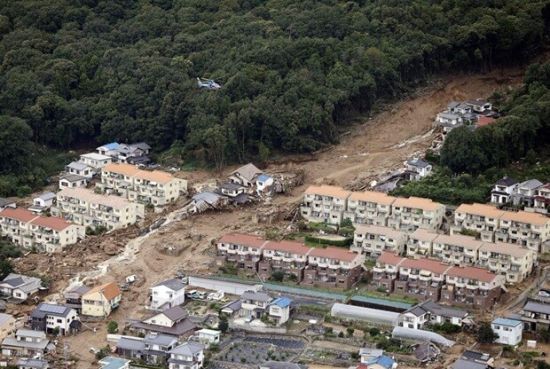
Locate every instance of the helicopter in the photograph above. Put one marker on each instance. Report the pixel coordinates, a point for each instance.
(208, 84)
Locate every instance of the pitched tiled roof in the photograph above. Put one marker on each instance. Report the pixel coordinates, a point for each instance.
(121, 168)
(54, 223)
(423, 235)
(417, 203)
(525, 217)
(390, 258)
(373, 196)
(133, 171)
(20, 214)
(91, 197)
(472, 273)
(480, 209)
(292, 247)
(336, 253)
(459, 240)
(433, 266)
(325, 190)
(505, 248)
(109, 290)
(242, 239)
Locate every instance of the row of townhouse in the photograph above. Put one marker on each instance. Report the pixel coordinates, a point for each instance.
(526, 229)
(511, 260)
(431, 279)
(149, 187)
(28, 230)
(326, 267)
(85, 207)
(333, 204)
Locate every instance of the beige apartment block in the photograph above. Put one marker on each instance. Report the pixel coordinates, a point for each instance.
(369, 207)
(372, 240)
(409, 214)
(478, 218)
(513, 261)
(147, 187)
(531, 230)
(324, 204)
(420, 243)
(456, 249)
(84, 207)
(31, 231)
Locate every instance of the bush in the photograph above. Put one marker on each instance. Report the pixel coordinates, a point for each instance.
(350, 331)
(112, 327)
(374, 332)
(323, 241)
(446, 327)
(223, 325)
(485, 333)
(278, 276)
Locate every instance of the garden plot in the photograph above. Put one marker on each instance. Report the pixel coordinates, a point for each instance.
(256, 350)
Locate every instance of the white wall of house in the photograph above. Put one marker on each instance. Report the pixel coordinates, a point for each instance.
(161, 295)
(508, 335)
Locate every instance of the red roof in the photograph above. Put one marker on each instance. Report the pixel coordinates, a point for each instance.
(55, 223)
(242, 239)
(433, 266)
(389, 258)
(20, 214)
(336, 253)
(484, 121)
(471, 273)
(292, 247)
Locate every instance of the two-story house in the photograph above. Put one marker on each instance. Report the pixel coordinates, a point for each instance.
(333, 267)
(26, 343)
(42, 202)
(479, 105)
(78, 168)
(173, 321)
(73, 297)
(155, 187)
(541, 201)
(254, 305)
(84, 207)
(371, 240)
(52, 318)
(95, 161)
(525, 193)
(408, 214)
(508, 331)
(448, 121)
(246, 175)
(324, 204)
(167, 294)
(429, 312)
(100, 301)
(19, 287)
(418, 168)
(189, 355)
(503, 190)
(152, 349)
(42, 233)
(72, 181)
(279, 309)
(535, 315)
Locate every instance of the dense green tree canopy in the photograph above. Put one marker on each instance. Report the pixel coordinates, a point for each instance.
(78, 72)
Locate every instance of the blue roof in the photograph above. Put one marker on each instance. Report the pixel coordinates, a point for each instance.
(282, 302)
(385, 361)
(111, 362)
(507, 322)
(111, 146)
(263, 177)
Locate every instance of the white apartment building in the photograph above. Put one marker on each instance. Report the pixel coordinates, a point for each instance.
(456, 249)
(149, 187)
(369, 207)
(525, 229)
(46, 234)
(324, 204)
(372, 240)
(411, 213)
(95, 160)
(478, 218)
(84, 207)
(167, 294)
(420, 243)
(512, 261)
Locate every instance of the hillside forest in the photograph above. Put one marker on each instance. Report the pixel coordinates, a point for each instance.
(75, 73)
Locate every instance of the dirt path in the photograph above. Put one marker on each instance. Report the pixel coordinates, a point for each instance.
(372, 148)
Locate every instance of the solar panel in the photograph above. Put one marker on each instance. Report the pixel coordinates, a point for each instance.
(53, 309)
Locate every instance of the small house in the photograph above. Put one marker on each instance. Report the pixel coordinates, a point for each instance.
(207, 200)
(111, 362)
(449, 121)
(167, 294)
(95, 161)
(208, 336)
(73, 297)
(479, 105)
(263, 182)
(503, 190)
(535, 315)
(42, 202)
(32, 364)
(51, 318)
(19, 287)
(189, 355)
(254, 305)
(231, 189)
(245, 175)
(109, 149)
(151, 349)
(429, 312)
(72, 181)
(80, 169)
(542, 199)
(509, 331)
(459, 108)
(279, 309)
(100, 301)
(526, 192)
(174, 321)
(418, 168)
(27, 343)
(7, 325)
(231, 307)
(6, 203)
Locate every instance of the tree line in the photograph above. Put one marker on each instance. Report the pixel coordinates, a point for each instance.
(75, 73)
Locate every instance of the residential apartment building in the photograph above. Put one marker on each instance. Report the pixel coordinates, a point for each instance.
(289, 257)
(333, 267)
(408, 214)
(84, 207)
(324, 204)
(371, 240)
(512, 261)
(369, 207)
(456, 249)
(481, 218)
(49, 234)
(431, 279)
(526, 229)
(420, 243)
(242, 250)
(100, 301)
(148, 187)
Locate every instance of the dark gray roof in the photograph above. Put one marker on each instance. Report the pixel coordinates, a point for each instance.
(78, 290)
(131, 343)
(32, 363)
(181, 328)
(531, 184)
(537, 307)
(426, 351)
(188, 349)
(475, 355)
(248, 171)
(174, 284)
(230, 186)
(175, 313)
(160, 339)
(506, 181)
(417, 310)
(467, 364)
(233, 305)
(50, 309)
(5, 202)
(419, 163)
(445, 311)
(72, 177)
(23, 282)
(256, 296)
(142, 146)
